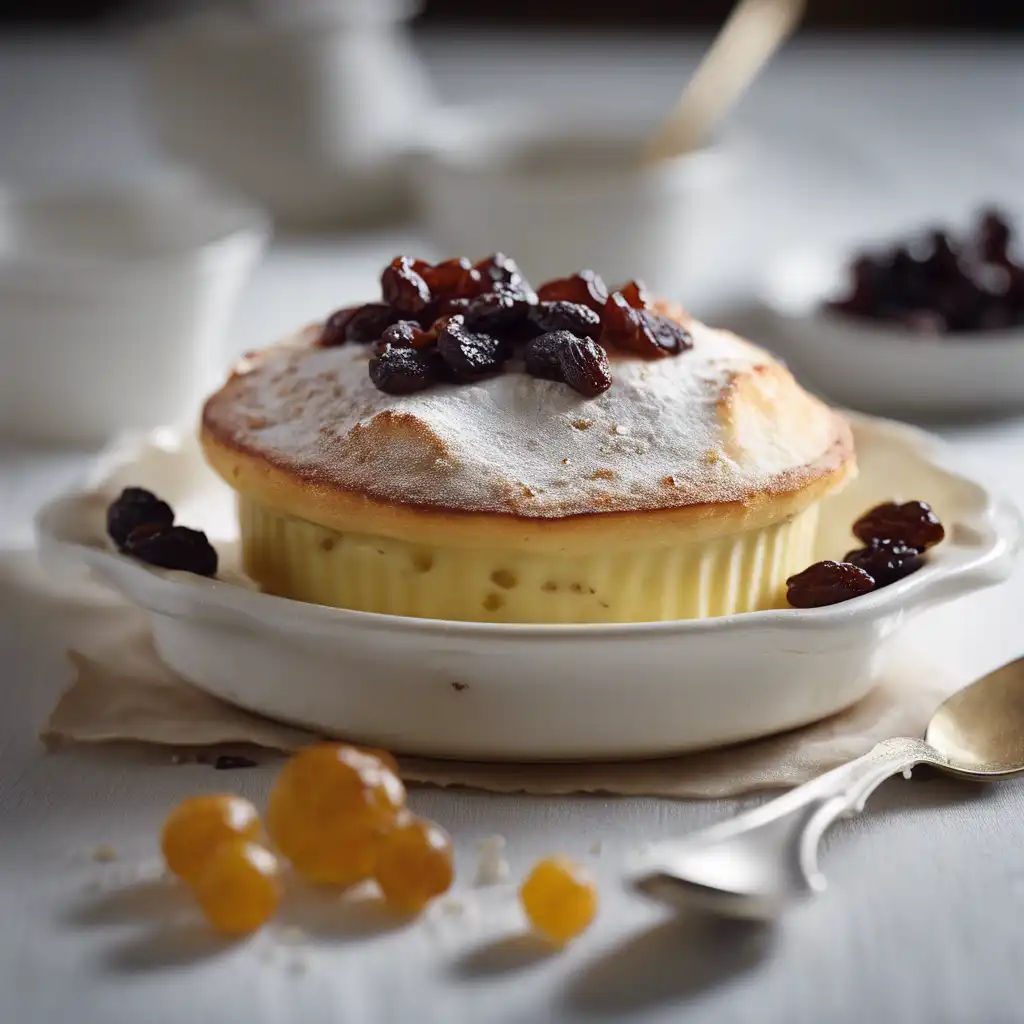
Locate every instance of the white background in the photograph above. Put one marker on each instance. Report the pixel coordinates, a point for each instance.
(922, 920)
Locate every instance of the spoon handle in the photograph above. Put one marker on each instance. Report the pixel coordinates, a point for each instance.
(753, 32)
(756, 863)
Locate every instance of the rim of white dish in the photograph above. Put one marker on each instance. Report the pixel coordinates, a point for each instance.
(995, 546)
(880, 333)
(236, 222)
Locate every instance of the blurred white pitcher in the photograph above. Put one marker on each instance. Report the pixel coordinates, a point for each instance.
(307, 107)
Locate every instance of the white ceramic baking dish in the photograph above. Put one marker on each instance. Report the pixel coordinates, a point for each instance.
(528, 692)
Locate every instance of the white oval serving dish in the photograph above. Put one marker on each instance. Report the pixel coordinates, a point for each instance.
(507, 692)
(879, 367)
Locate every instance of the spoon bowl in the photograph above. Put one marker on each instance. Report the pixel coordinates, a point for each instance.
(979, 730)
(760, 862)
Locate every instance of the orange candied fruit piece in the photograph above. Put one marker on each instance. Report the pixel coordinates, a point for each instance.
(330, 809)
(385, 757)
(414, 864)
(240, 887)
(559, 898)
(197, 827)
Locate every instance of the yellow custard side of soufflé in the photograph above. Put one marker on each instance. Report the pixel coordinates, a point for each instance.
(295, 558)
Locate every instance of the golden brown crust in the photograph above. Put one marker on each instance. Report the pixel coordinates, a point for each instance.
(348, 512)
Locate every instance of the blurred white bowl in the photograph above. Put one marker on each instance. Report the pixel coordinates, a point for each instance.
(560, 192)
(113, 301)
(880, 367)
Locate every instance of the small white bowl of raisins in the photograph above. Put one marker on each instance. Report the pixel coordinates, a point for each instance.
(929, 327)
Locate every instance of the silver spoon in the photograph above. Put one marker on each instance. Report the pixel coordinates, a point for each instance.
(758, 863)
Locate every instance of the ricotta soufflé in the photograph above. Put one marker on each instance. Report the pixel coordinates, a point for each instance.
(479, 451)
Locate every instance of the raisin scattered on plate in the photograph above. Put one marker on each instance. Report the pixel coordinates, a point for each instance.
(565, 316)
(471, 355)
(403, 288)
(586, 288)
(913, 523)
(827, 583)
(402, 371)
(135, 507)
(886, 560)
(173, 547)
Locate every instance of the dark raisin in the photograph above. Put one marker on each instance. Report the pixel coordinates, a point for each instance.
(885, 560)
(226, 762)
(442, 307)
(173, 547)
(1015, 293)
(335, 329)
(470, 354)
(640, 331)
(913, 523)
(936, 284)
(369, 322)
(993, 236)
(542, 355)
(995, 316)
(827, 583)
(401, 371)
(402, 286)
(586, 288)
(668, 335)
(500, 269)
(135, 507)
(585, 366)
(407, 334)
(454, 279)
(497, 311)
(866, 274)
(617, 317)
(635, 293)
(565, 316)
(960, 303)
(925, 322)
(940, 256)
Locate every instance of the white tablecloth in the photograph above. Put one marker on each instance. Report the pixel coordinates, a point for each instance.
(922, 918)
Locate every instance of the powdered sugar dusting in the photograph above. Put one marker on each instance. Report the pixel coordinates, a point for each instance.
(511, 443)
